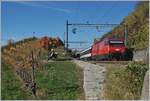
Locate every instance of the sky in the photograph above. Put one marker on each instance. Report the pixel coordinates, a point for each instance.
(48, 18)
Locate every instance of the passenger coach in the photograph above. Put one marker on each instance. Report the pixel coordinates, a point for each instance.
(86, 54)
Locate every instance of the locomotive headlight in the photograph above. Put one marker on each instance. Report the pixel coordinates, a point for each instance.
(117, 49)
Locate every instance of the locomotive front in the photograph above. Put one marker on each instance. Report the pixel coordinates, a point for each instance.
(116, 49)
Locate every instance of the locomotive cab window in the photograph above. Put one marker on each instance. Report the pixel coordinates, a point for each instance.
(116, 43)
(106, 42)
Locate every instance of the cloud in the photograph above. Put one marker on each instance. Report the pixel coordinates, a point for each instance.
(37, 4)
(62, 10)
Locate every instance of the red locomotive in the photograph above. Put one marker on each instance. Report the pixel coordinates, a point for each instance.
(108, 49)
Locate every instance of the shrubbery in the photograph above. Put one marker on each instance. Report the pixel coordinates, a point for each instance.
(132, 79)
(135, 76)
(125, 83)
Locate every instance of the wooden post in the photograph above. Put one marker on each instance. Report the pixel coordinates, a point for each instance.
(33, 87)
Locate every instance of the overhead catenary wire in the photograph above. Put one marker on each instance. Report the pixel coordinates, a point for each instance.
(97, 26)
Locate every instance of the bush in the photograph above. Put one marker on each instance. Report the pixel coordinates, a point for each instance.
(125, 83)
(134, 78)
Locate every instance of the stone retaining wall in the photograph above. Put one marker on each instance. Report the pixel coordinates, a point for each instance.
(145, 89)
(141, 55)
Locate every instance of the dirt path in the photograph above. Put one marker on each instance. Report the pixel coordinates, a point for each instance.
(94, 76)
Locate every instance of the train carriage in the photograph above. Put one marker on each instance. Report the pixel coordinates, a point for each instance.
(86, 54)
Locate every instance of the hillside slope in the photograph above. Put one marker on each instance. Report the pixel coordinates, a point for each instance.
(137, 27)
(54, 80)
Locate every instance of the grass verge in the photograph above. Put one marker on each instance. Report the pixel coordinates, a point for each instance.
(59, 80)
(11, 87)
(124, 83)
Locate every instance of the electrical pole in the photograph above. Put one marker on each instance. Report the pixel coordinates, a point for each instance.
(64, 40)
(125, 34)
(33, 34)
(67, 34)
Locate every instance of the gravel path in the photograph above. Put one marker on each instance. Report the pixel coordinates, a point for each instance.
(94, 76)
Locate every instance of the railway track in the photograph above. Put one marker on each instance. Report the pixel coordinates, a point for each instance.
(121, 62)
(116, 62)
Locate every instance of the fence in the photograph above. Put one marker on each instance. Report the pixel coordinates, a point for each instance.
(24, 74)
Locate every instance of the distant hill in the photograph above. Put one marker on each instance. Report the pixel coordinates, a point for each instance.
(44, 42)
(138, 27)
(17, 51)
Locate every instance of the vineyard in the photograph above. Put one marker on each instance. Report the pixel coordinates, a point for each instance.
(28, 62)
